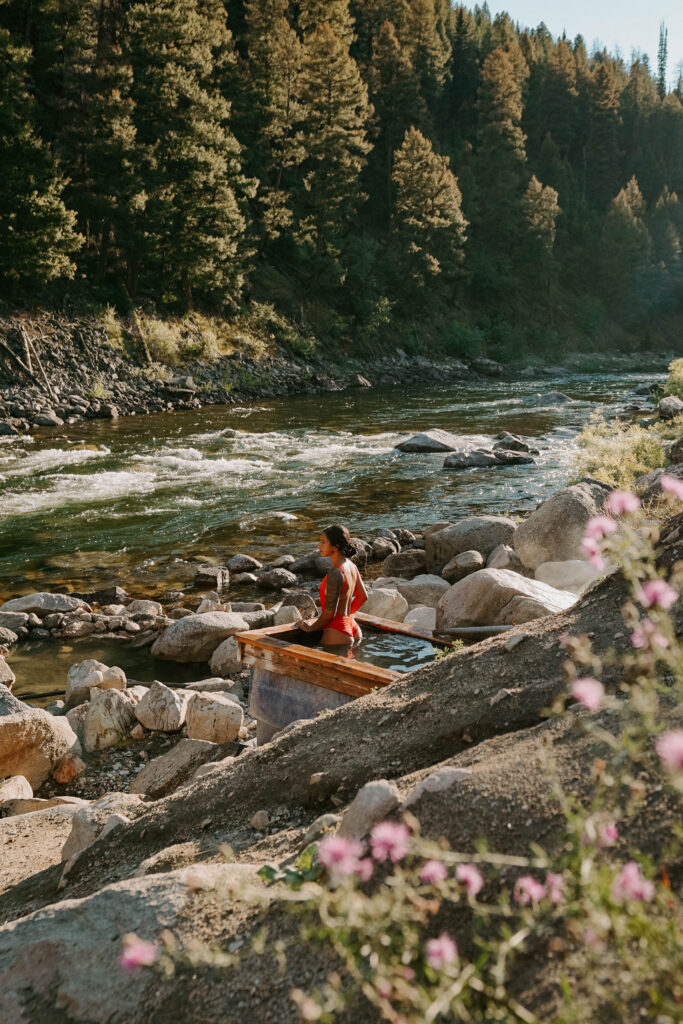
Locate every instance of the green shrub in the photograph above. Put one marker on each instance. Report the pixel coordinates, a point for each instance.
(163, 341)
(616, 453)
(112, 326)
(674, 383)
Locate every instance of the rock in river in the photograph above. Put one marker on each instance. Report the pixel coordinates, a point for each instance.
(554, 532)
(475, 533)
(43, 604)
(196, 637)
(434, 440)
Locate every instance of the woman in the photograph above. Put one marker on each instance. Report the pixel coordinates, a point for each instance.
(342, 592)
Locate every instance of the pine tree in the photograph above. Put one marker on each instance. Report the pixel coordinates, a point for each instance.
(662, 59)
(335, 106)
(194, 221)
(464, 71)
(427, 47)
(369, 16)
(560, 97)
(274, 111)
(430, 227)
(666, 225)
(541, 210)
(335, 13)
(37, 231)
(603, 157)
(626, 249)
(397, 103)
(501, 157)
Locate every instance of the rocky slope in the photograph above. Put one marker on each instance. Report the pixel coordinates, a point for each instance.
(480, 709)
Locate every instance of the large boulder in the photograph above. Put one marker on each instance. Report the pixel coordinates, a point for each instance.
(554, 532)
(85, 675)
(225, 660)
(196, 637)
(12, 620)
(215, 717)
(476, 533)
(32, 741)
(276, 579)
(162, 709)
(490, 597)
(505, 557)
(110, 716)
(573, 575)
(43, 604)
(670, 407)
(386, 603)
(164, 774)
(434, 440)
(405, 564)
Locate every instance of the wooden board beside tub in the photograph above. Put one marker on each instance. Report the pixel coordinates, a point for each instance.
(290, 680)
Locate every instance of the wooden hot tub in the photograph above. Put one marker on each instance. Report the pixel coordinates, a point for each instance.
(291, 679)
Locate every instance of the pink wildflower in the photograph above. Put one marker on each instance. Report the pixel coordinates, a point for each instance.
(599, 527)
(384, 988)
(657, 594)
(528, 890)
(340, 855)
(389, 841)
(669, 746)
(408, 973)
(441, 952)
(591, 547)
(602, 833)
(589, 692)
(471, 876)
(364, 869)
(622, 501)
(555, 886)
(433, 871)
(673, 485)
(630, 884)
(137, 953)
(591, 938)
(647, 635)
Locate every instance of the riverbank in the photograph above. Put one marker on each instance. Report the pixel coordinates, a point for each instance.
(57, 370)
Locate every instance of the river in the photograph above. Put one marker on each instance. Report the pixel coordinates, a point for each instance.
(139, 500)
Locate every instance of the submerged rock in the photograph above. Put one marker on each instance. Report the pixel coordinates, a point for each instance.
(433, 440)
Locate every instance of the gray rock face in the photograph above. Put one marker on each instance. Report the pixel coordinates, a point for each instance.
(462, 565)
(434, 440)
(32, 741)
(12, 620)
(304, 602)
(505, 557)
(88, 822)
(476, 533)
(554, 532)
(110, 717)
(81, 678)
(648, 487)
(225, 660)
(464, 459)
(276, 579)
(245, 563)
(196, 637)
(370, 805)
(65, 956)
(162, 709)
(670, 407)
(47, 418)
(216, 717)
(386, 603)
(406, 564)
(43, 604)
(7, 637)
(215, 577)
(490, 597)
(425, 589)
(164, 774)
(383, 548)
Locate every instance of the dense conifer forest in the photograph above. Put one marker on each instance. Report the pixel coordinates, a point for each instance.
(369, 171)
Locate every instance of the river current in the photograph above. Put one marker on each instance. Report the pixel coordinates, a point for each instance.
(141, 500)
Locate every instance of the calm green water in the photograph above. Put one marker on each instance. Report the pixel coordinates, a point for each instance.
(138, 501)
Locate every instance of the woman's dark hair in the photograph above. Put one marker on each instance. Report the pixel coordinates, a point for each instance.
(340, 538)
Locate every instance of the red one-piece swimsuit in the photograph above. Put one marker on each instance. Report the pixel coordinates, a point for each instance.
(342, 623)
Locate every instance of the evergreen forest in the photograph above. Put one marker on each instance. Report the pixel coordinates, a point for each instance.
(373, 172)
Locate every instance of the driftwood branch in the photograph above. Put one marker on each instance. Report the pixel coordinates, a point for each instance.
(32, 348)
(15, 358)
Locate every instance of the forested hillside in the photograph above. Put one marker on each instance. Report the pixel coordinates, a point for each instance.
(373, 170)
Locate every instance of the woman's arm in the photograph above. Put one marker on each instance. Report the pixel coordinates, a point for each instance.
(360, 595)
(333, 589)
